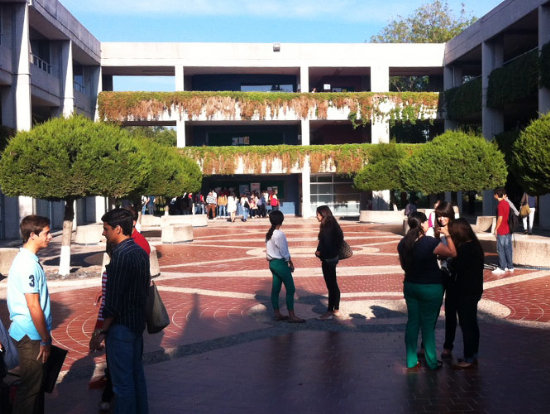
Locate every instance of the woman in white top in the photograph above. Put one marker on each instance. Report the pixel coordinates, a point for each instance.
(232, 206)
(281, 267)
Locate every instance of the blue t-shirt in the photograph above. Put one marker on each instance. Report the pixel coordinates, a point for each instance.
(425, 269)
(26, 276)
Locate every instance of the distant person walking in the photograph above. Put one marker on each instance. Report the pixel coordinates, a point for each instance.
(528, 204)
(330, 238)
(423, 286)
(281, 267)
(503, 234)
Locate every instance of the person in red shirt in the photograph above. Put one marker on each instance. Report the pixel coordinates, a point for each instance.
(502, 232)
(136, 235)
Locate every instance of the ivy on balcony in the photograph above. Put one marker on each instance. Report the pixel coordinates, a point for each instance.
(463, 101)
(363, 106)
(514, 81)
(341, 159)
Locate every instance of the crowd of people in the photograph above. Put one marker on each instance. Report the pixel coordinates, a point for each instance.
(227, 204)
(440, 254)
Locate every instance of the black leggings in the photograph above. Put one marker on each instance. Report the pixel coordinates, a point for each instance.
(329, 273)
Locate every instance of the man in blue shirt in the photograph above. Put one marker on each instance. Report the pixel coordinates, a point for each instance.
(29, 306)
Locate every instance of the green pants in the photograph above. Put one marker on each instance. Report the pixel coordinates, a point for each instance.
(281, 274)
(423, 306)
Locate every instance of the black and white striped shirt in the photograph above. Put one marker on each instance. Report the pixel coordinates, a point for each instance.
(127, 286)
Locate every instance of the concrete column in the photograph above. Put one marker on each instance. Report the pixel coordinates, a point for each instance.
(492, 58)
(306, 189)
(306, 134)
(304, 78)
(26, 206)
(544, 37)
(380, 131)
(67, 79)
(97, 87)
(379, 79)
(22, 75)
(180, 85)
(180, 133)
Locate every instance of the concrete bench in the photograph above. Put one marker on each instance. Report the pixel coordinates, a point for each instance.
(148, 220)
(89, 234)
(195, 220)
(380, 216)
(176, 233)
(154, 267)
(484, 224)
(7, 254)
(528, 250)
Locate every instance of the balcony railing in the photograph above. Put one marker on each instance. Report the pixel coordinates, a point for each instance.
(41, 64)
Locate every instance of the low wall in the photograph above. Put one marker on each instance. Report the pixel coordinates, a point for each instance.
(381, 216)
(7, 254)
(528, 250)
(149, 222)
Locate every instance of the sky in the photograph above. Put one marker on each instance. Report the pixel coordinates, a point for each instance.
(294, 21)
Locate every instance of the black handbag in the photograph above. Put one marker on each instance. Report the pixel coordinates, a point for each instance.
(345, 251)
(156, 314)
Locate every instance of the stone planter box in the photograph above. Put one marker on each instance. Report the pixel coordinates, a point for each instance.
(89, 234)
(7, 254)
(381, 216)
(176, 233)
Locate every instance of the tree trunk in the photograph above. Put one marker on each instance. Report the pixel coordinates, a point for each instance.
(65, 257)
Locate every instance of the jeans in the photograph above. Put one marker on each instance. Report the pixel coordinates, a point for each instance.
(423, 306)
(467, 316)
(124, 351)
(29, 397)
(222, 211)
(245, 214)
(504, 250)
(329, 274)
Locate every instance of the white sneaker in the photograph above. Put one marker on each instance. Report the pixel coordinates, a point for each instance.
(498, 271)
(509, 270)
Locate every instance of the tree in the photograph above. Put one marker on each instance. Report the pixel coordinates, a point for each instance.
(382, 170)
(432, 22)
(454, 161)
(69, 158)
(158, 134)
(531, 157)
(172, 174)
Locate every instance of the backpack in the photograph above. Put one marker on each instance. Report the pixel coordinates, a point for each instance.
(513, 221)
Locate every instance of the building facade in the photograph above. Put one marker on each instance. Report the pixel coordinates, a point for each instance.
(51, 66)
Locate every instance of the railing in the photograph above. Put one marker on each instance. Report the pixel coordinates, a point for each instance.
(41, 64)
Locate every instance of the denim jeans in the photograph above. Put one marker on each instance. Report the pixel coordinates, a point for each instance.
(124, 353)
(504, 250)
(222, 211)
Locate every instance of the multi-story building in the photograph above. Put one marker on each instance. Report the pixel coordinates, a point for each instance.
(51, 65)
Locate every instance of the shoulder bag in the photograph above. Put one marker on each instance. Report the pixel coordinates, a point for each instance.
(345, 251)
(156, 315)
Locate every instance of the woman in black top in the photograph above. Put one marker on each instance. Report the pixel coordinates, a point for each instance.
(331, 238)
(468, 266)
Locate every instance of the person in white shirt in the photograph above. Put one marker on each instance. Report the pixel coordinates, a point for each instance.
(281, 267)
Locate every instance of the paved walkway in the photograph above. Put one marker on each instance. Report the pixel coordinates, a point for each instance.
(222, 352)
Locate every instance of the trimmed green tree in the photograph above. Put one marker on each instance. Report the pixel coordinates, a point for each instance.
(531, 157)
(172, 174)
(454, 161)
(69, 158)
(382, 170)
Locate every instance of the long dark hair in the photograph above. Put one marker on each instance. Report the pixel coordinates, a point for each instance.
(444, 209)
(414, 221)
(328, 222)
(276, 218)
(461, 232)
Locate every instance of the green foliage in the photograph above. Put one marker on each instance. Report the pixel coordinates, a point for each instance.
(454, 161)
(68, 158)
(382, 171)
(158, 134)
(531, 157)
(171, 175)
(505, 142)
(433, 22)
(544, 63)
(463, 101)
(516, 80)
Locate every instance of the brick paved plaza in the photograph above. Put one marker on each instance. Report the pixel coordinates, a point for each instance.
(222, 352)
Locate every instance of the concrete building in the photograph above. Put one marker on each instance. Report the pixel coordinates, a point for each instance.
(51, 65)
